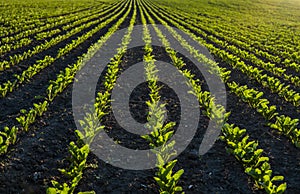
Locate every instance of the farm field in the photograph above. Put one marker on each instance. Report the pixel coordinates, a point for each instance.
(251, 47)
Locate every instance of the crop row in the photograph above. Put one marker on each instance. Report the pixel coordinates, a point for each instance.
(159, 132)
(14, 22)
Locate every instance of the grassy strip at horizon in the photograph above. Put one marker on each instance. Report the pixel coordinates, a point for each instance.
(246, 18)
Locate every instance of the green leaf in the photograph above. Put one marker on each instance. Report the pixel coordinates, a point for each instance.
(178, 188)
(1, 140)
(281, 189)
(160, 183)
(169, 168)
(160, 160)
(178, 174)
(87, 192)
(277, 178)
(51, 190)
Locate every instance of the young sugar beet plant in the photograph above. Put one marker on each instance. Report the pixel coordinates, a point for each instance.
(256, 165)
(8, 47)
(7, 136)
(283, 124)
(160, 133)
(79, 152)
(288, 126)
(91, 123)
(55, 87)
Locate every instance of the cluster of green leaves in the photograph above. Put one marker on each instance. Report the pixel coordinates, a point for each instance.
(288, 127)
(7, 87)
(255, 100)
(78, 160)
(291, 64)
(29, 117)
(283, 124)
(25, 120)
(48, 34)
(34, 69)
(283, 90)
(25, 76)
(256, 165)
(8, 47)
(7, 136)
